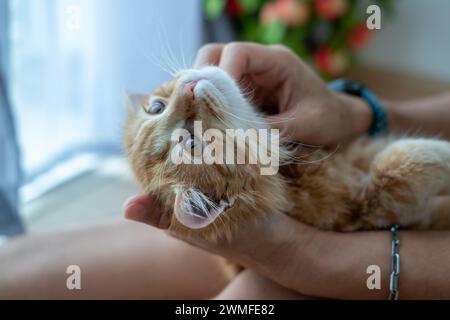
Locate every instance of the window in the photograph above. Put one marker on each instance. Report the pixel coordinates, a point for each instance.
(71, 64)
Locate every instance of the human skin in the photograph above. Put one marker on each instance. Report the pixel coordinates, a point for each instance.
(118, 260)
(299, 257)
(141, 263)
(249, 285)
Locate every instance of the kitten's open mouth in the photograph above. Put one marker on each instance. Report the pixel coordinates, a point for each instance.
(196, 210)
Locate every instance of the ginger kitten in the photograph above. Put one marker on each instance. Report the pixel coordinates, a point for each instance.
(367, 184)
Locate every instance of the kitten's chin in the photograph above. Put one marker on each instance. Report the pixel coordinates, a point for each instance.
(195, 210)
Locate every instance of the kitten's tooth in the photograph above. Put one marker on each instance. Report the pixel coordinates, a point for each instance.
(189, 143)
(223, 203)
(227, 203)
(192, 142)
(177, 189)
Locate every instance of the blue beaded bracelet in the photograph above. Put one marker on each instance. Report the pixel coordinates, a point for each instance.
(379, 123)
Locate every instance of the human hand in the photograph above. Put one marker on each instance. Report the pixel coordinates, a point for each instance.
(310, 261)
(277, 247)
(299, 102)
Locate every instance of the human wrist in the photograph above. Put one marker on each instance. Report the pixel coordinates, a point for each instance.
(360, 115)
(394, 113)
(343, 266)
(318, 264)
(378, 116)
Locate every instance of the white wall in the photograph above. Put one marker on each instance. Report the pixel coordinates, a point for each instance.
(416, 38)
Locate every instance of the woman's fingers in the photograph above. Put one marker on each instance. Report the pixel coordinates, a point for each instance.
(145, 209)
(274, 245)
(209, 54)
(240, 58)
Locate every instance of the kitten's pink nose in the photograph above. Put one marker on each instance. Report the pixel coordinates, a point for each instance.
(189, 87)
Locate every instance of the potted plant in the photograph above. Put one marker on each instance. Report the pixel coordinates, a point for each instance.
(327, 33)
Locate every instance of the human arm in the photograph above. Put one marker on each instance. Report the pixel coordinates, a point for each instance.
(249, 285)
(428, 116)
(327, 264)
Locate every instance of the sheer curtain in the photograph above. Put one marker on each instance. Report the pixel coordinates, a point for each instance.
(72, 62)
(10, 223)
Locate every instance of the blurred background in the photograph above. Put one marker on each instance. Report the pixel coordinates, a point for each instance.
(65, 66)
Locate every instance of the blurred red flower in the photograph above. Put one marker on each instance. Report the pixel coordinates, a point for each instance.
(359, 36)
(290, 12)
(234, 8)
(331, 9)
(331, 63)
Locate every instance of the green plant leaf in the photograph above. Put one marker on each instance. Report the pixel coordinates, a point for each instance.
(251, 30)
(273, 32)
(294, 39)
(213, 8)
(250, 6)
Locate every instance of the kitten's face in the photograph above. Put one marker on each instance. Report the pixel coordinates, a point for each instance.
(206, 198)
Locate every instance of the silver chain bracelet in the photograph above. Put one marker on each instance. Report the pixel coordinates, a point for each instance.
(395, 265)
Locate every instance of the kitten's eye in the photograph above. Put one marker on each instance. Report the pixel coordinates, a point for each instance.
(156, 107)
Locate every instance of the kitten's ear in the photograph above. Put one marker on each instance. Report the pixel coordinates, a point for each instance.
(135, 101)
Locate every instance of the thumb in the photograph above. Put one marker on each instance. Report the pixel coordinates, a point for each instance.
(146, 209)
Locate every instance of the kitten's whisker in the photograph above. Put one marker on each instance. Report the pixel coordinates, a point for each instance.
(265, 123)
(167, 61)
(296, 160)
(191, 60)
(152, 59)
(165, 56)
(181, 46)
(159, 65)
(172, 57)
(163, 65)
